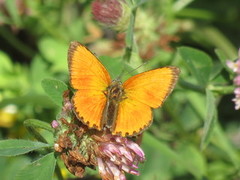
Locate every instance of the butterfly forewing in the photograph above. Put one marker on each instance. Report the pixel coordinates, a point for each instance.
(152, 87)
(86, 71)
(133, 117)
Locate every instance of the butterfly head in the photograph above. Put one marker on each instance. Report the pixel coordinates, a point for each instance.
(115, 90)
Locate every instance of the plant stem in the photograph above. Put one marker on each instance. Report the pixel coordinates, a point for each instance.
(130, 36)
(222, 89)
(218, 89)
(191, 86)
(21, 47)
(58, 172)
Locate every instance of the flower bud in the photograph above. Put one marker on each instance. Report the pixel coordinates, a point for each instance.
(112, 13)
(54, 124)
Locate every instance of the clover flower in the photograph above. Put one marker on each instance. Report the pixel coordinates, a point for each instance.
(117, 155)
(235, 66)
(80, 147)
(112, 13)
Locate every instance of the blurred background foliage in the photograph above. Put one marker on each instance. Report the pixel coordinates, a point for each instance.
(34, 39)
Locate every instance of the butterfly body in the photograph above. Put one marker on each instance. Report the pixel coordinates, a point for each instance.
(114, 94)
(123, 108)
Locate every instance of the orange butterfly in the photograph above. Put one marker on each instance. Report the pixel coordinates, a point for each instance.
(123, 108)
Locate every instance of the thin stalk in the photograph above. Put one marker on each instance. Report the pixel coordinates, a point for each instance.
(58, 172)
(130, 36)
(21, 47)
(222, 89)
(191, 86)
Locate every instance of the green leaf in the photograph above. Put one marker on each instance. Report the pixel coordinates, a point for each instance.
(54, 89)
(171, 156)
(221, 141)
(55, 52)
(9, 166)
(181, 4)
(113, 65)
(211, 118)
(33, 125)
(198, 62)
(118, 68)
(33, 99)
(12, 8)
(4, 18)
(39, 71)
(13, 147)
(193, 113)
(140, 2)
(76, 30)
(42, 169)
(223, 58)
(196, 163)
(216, 70)
(5, 64)
(38, 124)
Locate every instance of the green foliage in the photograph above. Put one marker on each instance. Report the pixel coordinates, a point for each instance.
(33, 126)
(9, 166)
(43, 168)
(198, 62)
(54, 88)
(211, 118)
(13, 147)
(195, 135)
(196, 165)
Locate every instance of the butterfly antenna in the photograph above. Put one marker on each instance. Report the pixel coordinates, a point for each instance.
(120, 75)
(134, 69)
(123, 73)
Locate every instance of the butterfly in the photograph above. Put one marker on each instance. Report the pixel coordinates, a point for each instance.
(123, 108)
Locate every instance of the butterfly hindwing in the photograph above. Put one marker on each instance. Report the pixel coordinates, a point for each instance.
(133, 117)
(89, 105)
(90, 79)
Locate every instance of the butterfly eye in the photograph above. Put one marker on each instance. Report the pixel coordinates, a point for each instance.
(105, 92)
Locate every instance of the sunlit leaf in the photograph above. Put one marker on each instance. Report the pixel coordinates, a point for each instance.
(38, 72)
(181, 4)
(223, 59)
(221, 141)
(113, 65)
(54, 89)
(10, 166)
(12, 8)
(33, 126)
(13, 147)
(55, 52)
(211, 118)
(38, 124)
(173, 156)
(42, 169)
(196, 163)
(5, 63)
(198, 62)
